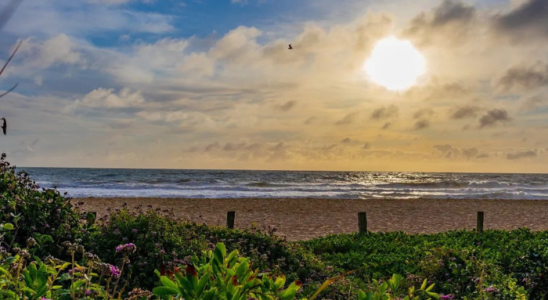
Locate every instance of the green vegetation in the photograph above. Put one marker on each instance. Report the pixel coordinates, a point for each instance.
(50, 250)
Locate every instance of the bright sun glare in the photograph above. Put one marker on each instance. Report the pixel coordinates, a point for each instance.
(395, 64)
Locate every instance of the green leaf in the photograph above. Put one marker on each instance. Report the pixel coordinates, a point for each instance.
(220, 253)
(164, 291)
(423, 286)
(8, 226)
(211, 294)
(33, 271)
(168, 283)
(3, 271)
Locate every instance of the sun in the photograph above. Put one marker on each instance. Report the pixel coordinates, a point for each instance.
(395, 64)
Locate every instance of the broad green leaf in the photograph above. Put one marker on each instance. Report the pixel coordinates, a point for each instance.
(164, 291)
(168, 283)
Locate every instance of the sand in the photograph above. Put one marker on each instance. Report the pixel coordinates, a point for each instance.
(300, 219)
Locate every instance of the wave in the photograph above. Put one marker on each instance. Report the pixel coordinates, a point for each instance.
(451, 184)
(339, 185)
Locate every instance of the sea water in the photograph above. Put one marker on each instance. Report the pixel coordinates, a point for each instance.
(289, 184)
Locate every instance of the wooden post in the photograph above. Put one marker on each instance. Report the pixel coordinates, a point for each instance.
(91, 217)
(230, 216)
(362, 222)
(480, 221)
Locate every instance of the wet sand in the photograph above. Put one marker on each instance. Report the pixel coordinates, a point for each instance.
(300, 219)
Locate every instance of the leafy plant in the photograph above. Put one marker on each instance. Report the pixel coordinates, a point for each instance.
(42, 214)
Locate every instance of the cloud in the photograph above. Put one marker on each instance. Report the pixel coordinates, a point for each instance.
(527, 20)
(520, 155)
(447, 23)
(234, 146)
(450, 152)
(310, 120)
(108, 98)
(286, 106)
(348, 119)
(532, 103)
(238, 45)
(525, 77)
(346, 141)
(212, 147)
(384, 112)
(57, 50)
(447, 150)
(494, 117)
(464, 112)
(78, 19)
(427, 112)
(470, 153)
(422, 124)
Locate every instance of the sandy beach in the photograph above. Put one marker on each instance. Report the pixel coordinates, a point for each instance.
(299, 219)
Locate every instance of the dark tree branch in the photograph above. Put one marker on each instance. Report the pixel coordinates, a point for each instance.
(11, 57)
(9, 91)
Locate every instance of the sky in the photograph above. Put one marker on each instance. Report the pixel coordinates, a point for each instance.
(211, 84)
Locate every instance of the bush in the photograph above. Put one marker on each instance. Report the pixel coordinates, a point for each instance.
(44, 215)
(164, 242)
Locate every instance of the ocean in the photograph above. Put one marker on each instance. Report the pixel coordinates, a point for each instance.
(289, 184)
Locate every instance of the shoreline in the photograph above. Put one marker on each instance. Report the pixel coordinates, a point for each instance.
(307, 218)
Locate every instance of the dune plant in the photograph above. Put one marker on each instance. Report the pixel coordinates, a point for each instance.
(218, 275)
(42, 214)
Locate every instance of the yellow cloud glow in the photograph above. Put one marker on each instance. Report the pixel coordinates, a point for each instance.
(395, 64)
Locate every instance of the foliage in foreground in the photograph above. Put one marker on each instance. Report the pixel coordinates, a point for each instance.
(494, 264)
(215, 275)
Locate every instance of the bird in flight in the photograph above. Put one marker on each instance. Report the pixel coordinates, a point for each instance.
(4, 126)
(290, 48)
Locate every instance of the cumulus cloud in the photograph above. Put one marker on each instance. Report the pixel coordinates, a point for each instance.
(384, 112)
(348, 119)
(447, 23)
(447, 150)
(464, 112)
(238, 45)
(212, 147)
(522, 154)
(59, 49)
(525, 77)
(286, 106)
(234, 146)
(427, 112)
(470, 153)
(494, 117)
(108, 98)
(346, 141)
(422, 124)
(527, 20)
(451, 152)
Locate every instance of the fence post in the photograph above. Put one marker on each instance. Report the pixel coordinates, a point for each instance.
(362, 222)
(480, 221)
(91, 217)
(230, 216)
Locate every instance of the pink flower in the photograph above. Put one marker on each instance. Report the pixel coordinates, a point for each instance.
(114, 271)
(129, 248)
